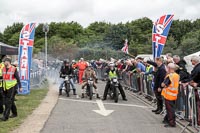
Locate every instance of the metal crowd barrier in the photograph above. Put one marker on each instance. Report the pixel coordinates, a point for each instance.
(37, 78)
(138, 83)
(187, 103)
(100, 72)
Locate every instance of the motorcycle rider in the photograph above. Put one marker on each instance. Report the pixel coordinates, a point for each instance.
(89, 73)
(75, 69)
(113, 72)
(66, 69)
(73, 64)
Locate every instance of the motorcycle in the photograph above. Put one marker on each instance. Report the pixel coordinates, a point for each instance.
(67, 84)
(75, 76)
(89, 90)
(114, 89)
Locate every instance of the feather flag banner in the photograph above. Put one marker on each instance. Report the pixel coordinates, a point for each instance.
(26, 41)
(159, 34)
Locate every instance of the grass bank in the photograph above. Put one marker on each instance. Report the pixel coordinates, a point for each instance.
(25, 105)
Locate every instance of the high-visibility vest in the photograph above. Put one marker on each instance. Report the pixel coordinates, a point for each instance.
(148, 68)
(9, 80)
(1, 72)
(112, 74)
(1, 68)
(171, 92)
(149, 76)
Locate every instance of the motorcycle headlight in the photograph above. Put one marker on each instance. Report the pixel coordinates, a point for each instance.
(115, 80)
(66, 78)
(90, 81)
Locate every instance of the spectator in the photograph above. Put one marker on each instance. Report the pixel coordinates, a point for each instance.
(139, 66)
(170, 93)
(149, 68)
(181, 69)
(195, 74)
(148, 77)
(169, 58)
(158, 79)
(195, 82)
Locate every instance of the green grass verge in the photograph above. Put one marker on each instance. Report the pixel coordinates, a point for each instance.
(25, 106)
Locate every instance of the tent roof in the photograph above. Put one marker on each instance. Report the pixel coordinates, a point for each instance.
(7, 49)
(188, 58)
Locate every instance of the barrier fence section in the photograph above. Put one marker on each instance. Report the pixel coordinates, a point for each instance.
(187, 103)
(37, 78)
(100, 72)
(53, 73)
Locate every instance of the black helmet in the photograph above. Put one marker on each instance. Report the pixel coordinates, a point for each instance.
(66, 61)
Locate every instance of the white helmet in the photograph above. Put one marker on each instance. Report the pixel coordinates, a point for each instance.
(145, 59)
(111, 64)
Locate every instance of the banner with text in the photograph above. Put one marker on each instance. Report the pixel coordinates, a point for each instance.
(26, 41)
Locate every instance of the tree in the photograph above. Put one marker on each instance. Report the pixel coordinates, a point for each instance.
(14, 40)
(179, 29)
(1, 37)
(12, 31)
(170, 45)
(183, 37)
(190, 43)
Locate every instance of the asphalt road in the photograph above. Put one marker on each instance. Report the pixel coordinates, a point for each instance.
(76, 115)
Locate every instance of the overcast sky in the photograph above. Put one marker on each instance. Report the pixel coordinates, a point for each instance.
(87, 11)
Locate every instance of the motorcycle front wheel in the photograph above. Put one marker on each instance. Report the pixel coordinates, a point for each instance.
(67, 89)
(90, 92)
(116, 96)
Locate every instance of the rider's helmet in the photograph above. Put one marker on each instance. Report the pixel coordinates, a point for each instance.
(73, 61)
(112, 65)
(89, 65)
(81, 59)
(66, 61)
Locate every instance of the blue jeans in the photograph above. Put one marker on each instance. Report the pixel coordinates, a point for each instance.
(71, 83)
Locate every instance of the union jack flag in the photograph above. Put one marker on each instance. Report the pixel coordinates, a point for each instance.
(159, 34)
(125, 48)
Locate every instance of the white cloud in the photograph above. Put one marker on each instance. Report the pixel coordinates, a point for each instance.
(87, 11)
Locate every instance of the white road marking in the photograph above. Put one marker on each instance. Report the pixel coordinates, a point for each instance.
(102, 110)
(73, 100)
(115, 104)
(129, 105)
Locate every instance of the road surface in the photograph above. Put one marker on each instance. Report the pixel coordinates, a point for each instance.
(76, 115)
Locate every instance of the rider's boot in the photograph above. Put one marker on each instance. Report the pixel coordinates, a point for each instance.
(98, 95)
(74, 91)
(82, 95)
(60, 92)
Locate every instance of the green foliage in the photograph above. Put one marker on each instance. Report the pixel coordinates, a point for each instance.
(1, 37)
(10, 34)
(171, 45)
(191, 42)
(64, 37)
(25, 105)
